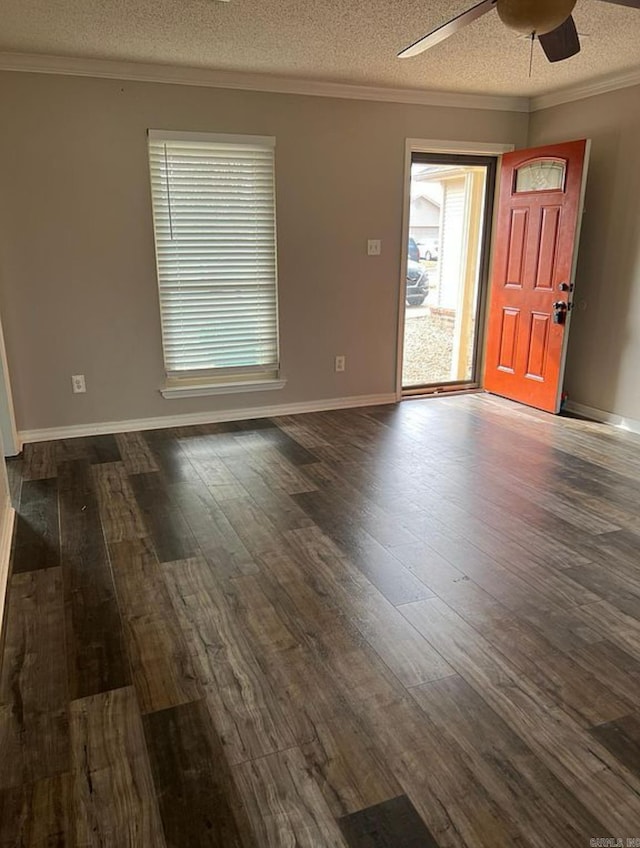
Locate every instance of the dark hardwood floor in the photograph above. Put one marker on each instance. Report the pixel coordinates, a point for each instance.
(395, 627)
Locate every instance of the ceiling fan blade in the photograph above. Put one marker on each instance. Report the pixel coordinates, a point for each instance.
(440, 33)
(561, 43)
(634, 4)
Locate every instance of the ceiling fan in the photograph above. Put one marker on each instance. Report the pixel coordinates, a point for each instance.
(550, 21)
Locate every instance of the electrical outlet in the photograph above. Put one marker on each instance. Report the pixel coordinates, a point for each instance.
(341, 362)
(374, 247)
(79, 386)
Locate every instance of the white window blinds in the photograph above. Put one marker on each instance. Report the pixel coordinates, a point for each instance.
(214, 219)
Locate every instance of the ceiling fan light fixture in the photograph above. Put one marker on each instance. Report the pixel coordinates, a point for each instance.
(534, 16)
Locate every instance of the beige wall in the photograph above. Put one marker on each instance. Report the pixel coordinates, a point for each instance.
(78, 288)
(603, 365)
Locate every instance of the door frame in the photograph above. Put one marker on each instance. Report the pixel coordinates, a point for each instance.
(9, 438)
(574, 266)
(439, 146)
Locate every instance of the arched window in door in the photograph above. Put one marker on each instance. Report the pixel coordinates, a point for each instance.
(541, 175)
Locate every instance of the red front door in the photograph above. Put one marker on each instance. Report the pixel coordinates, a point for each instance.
(537, 231)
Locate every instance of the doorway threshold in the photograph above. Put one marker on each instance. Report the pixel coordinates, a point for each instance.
(441, 390)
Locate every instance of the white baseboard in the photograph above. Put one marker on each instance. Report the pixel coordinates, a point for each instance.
(100, 428)
(630, 424)
(6, 537)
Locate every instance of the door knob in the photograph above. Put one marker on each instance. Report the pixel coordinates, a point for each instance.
(560, 309)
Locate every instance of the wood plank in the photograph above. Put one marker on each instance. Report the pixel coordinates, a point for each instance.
(198, 801)
(138, 578)
(33, 684)
(284, 804)
(406, 653)
(104, 448)
(136, 453)
(257, 532)
(267, 459)
(71, 450)
(95, 449)
(165, 525)
(161, 667)
(528, 526)
(528, 563)
(437, 776)
(567, 682)
(591, 774)
(39, 461)
(622, 739)
(275, 503)
(169, 456)
(613, 624)
(318, 624)
(342, 757)
(497, 623)
(296, 427)
(375, 562)
(113, 792)
(243, 705)
(526, 790)
(211, 468)
(37, 815)
(608, 581)
(340, 502)
(614, 668)
(387, 825)
(568, 509)
(216, 538)
(399, 737)
(288, 446)
(557, 675)
(96, 654)
(119, 511)
(37, 539)
(555, 624)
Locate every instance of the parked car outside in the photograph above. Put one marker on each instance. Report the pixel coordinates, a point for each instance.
(417, 283)
(414, 253)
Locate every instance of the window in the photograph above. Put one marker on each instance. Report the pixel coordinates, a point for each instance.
(541, 175)
(215, 235)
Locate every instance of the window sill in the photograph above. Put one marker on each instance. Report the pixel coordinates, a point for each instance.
(187, 389)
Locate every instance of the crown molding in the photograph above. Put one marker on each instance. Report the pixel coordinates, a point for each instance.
(36, 63)
(603, 85)
(176, 75)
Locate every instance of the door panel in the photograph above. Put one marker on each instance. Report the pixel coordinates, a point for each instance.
(538, 343)
(517, 246)
(541, 194)
(548, 247)
(508, 338)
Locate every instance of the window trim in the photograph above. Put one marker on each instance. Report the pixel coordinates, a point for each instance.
(211, 381)
(184, 388)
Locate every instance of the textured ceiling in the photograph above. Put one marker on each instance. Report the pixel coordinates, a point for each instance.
(353, 41)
